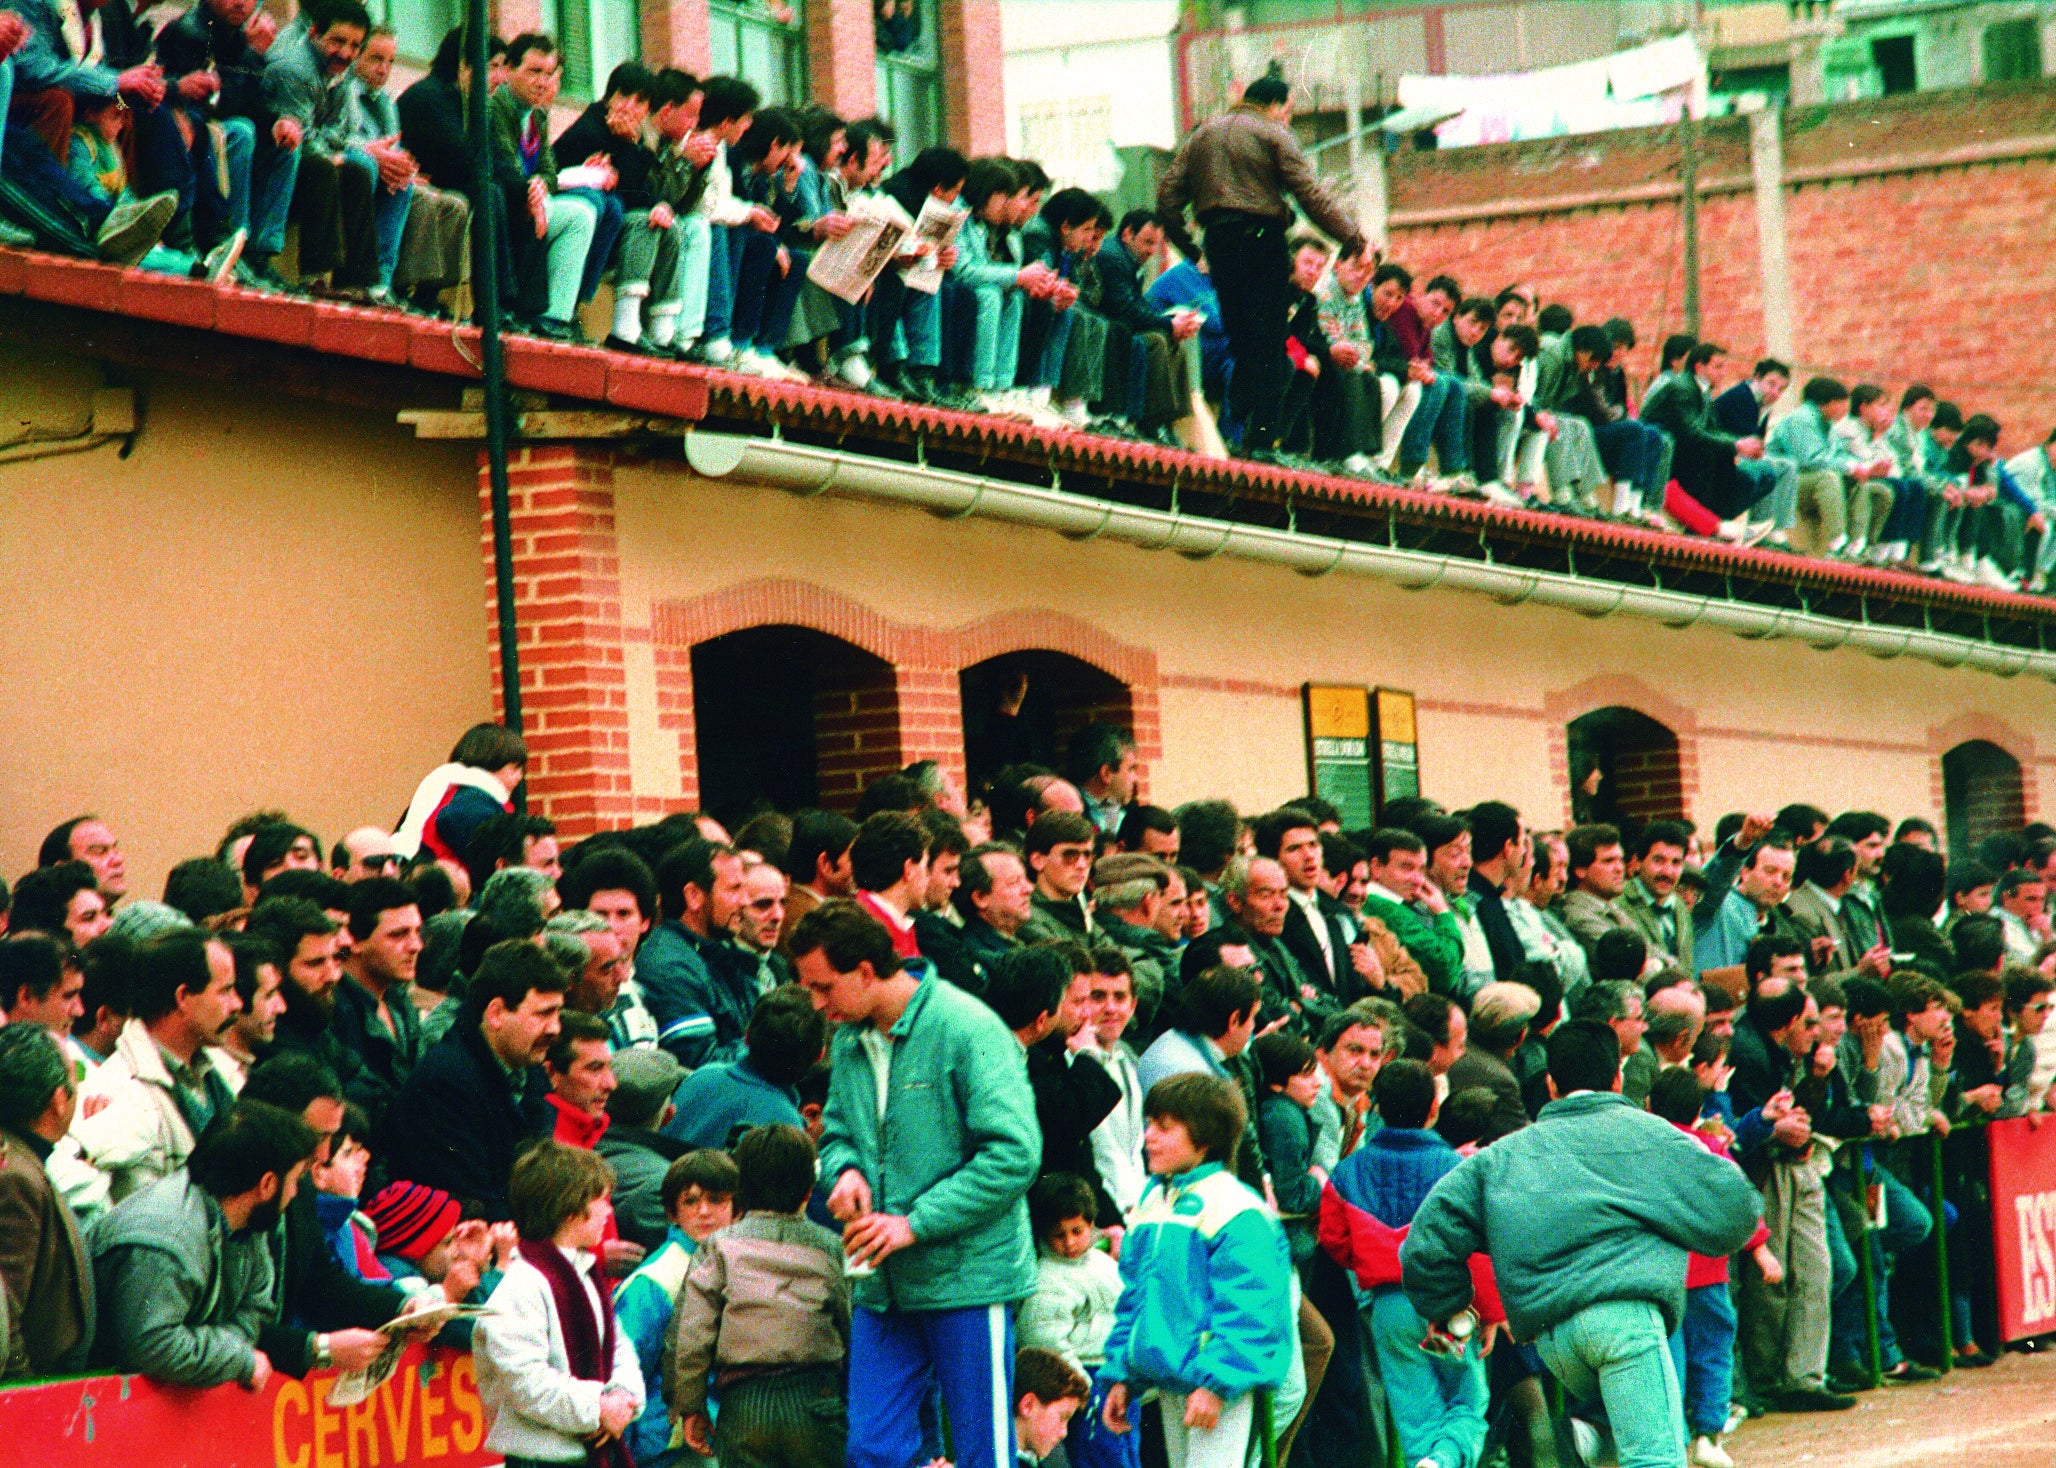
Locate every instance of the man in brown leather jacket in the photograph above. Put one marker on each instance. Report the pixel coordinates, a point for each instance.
(1237, 174)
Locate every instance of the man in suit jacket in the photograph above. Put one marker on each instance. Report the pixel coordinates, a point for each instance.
(1500, 862)
(46, 1275)
(1598, 868)
(1317, 939)
(1500, 1016)
(1650, 898)
(1823, 876)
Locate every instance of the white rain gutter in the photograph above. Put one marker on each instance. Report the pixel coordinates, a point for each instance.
(808, 471)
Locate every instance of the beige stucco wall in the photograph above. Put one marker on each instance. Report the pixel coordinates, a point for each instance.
(1233, 641)
(218, 622)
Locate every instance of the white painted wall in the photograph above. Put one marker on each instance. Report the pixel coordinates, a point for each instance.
(1110, 64)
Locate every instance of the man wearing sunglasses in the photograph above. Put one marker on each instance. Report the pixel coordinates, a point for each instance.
(365, 852)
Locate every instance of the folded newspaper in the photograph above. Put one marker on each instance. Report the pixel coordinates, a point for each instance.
(845, 268)
(938, 226)
(352, 1387)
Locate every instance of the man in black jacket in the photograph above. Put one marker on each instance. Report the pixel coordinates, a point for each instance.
(1316, 938)
(1500, 860)
(1704, 457)
(213, 60)
(325, 1315)
(1043, 996)
(477, 1098)
(1120, 264)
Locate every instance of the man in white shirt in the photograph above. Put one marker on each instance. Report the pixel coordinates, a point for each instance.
(1117, 1141)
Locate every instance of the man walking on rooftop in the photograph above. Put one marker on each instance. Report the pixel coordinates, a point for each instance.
(1236, 173)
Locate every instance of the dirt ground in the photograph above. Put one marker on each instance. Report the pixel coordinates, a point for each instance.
(2001, 1417)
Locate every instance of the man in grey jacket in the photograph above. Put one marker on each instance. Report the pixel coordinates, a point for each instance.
(351, 197)
(183, 1273)
(1587, 1216)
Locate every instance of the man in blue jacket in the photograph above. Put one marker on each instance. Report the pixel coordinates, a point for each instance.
(1587, 1216)
(928, 1145)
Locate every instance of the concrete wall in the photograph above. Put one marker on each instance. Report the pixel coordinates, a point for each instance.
(272, 607)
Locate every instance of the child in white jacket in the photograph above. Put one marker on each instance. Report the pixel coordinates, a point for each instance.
(559, 1381)
(1071, 1313)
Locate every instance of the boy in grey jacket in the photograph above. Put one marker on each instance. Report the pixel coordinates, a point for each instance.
(1587, 1216)
(765, 1311)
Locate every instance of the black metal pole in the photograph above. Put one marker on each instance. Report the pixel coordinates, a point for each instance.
(485, 306)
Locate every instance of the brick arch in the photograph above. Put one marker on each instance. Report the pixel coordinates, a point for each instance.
(777, 601)
(1941, 738)
(1032, 630)
(1620, 690)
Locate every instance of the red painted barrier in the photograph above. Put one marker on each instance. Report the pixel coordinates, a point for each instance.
(429, 1413)
(2023, 1153)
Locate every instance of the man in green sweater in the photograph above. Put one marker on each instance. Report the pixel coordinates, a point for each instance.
(929, 1142)
(1412, 907)
(1587, 1216)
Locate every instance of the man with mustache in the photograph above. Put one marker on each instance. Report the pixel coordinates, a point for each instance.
(140, 1113)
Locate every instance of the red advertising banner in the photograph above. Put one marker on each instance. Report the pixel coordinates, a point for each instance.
(2024, 1224)
(429, 1413)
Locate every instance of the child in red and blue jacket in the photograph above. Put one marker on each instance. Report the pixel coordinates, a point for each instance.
(1438, 1402)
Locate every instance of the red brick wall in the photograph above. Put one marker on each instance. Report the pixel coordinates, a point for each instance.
(1907, 262)
(973, 76)
(842, 60)
(856, 731)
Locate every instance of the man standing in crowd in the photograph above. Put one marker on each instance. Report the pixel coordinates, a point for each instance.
(44, 1268)
(930, 1142)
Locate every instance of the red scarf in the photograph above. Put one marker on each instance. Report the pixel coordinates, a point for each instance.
(588, 1348)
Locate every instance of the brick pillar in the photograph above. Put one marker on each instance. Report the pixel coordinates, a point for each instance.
(674, 33)
(567, 586)
(931, 710)
(842, 56)
(973, 76)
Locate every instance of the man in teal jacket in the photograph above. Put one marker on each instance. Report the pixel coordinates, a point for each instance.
(928, 1144)
(1587, 1216)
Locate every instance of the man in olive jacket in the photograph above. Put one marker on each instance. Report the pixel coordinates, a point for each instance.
(1587, 1216)
(928, 1144)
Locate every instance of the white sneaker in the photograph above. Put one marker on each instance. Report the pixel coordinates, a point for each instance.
(1075, 413)
(854, 371)
(1736, 1417)
(1706, 1453)
(1000, 402)
(1586, 1438)
(221, 260)
(720, 351)
(1498, 494)
(1856, 549)
(1989, 574)
(1358, 464)
(1835, 546)
(1959, 573)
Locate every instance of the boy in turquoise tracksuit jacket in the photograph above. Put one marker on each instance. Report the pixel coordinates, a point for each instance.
(1206, 1304)
(929, 1143)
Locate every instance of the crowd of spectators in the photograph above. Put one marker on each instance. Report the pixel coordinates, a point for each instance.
(968, 1127)
(191, 148)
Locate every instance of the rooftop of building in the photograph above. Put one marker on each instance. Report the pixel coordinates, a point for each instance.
(387, 362)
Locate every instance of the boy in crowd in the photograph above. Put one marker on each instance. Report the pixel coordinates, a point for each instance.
(1071, 1314)
(1703, 1346)
(556, 1374)
(1438, 1401)
(699, 1199)
(1206, 1298)
(1048, 1391)
(765, 1314)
